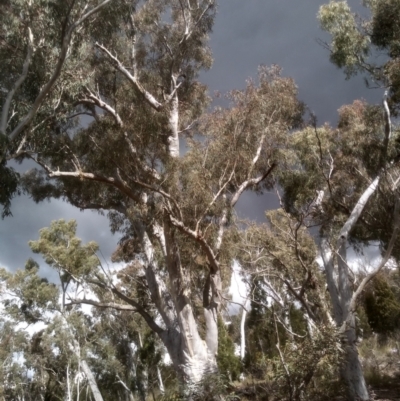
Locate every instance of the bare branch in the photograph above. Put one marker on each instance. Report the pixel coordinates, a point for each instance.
(216, 196)
(248, 183)
(138, 308)
(358, 209)
(327, 258)
(299, 298)
(388, 124)
(388, 253)
(151, 100)
(103, 105)
(17, 84)
(111, 305)
(90, 13)
(121, 185)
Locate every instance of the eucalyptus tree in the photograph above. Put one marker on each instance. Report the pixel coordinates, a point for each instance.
(51, 359)
(31, 366)
(133, 72)
(348, 178)
(179, 242)
(37, 41)
(290, 321)
(367, 45)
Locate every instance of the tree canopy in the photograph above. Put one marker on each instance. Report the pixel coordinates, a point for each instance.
(104, 97)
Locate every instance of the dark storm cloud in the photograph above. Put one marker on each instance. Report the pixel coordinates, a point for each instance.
(253, 32)
(247, 33)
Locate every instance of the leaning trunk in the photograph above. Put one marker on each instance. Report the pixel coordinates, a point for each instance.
(92, 381)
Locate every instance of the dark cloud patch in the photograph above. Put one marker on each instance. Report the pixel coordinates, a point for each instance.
(254, 32)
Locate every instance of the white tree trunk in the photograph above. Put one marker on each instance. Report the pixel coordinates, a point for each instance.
(351, 370)
(243, 331)
(160, 381)
(92, 381)
(192, 356)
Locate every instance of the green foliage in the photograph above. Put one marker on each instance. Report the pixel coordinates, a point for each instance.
(63, 250)
(385, 26)
(229, 365)
(8, 186)
(349, 47)
(176, 212)
(382, 307)
(213, 387)
(33, 294)
(308, 369)
(355, 41)
(380, 360)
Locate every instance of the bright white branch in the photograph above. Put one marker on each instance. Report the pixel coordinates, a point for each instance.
(94, 100)
(248, 183)
(358, 209)
(151, 100)
(121, 185)
(388, 253)
(110, 305)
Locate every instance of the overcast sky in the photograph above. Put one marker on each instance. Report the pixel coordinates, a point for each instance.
(247, 33)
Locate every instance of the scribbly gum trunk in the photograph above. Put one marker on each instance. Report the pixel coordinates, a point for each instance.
(351, 370)
(191, 355)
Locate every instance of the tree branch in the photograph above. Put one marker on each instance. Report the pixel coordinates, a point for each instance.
(111, 305)
(358, 209)
(66, 40)
(388, 253)
(138, 308)
(121, 185)
(253, 181)
(17, 84)
(151, 100)
(195, 235)
(94, 100)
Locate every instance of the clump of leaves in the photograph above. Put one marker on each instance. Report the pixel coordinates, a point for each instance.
(382, 307)
(308, 369)
(228, 363)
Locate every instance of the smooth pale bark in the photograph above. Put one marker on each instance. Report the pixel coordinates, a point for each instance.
(351, 370)
(243, 333)
(160, 381)
(343, 296)
(189, 353)
(92, 381)
(173, 135)
(193, 355)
